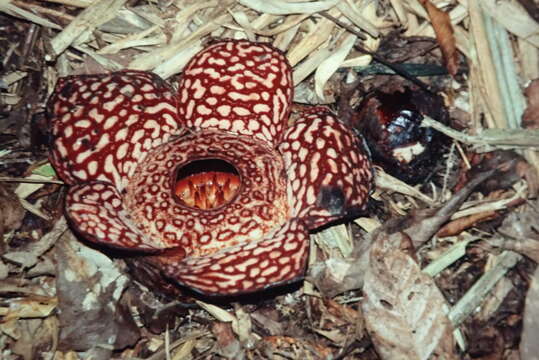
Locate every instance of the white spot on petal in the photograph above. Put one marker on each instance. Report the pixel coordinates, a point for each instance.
(224, 110)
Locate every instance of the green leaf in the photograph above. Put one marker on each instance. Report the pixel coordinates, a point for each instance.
(45, 170)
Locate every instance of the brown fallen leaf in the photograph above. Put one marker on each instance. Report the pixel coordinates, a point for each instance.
(424, 224)
(529, 173)
(33, 336)
(487, 344)
(228, 345)
(529, 346)
(530, 118)
(89, 287)
(531, 8)
(511, 167)
(269, 321)
(337, 322)
(335, 276)
(155, 315)
(521, 232)
(11, 210)
(405, 312)
(457, 226)
(294, 348)
(29, 255)
(519, 225)
(33, 306)
(444, 35)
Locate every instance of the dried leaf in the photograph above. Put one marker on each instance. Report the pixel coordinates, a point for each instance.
(529, 346)
(511, 168)
(228, 346)
(34, 306)
(279, 7)
(243, 327)
(426, 223)
(385, 181)
(263, 317)
(360, 17)
(457, 226)
(318, 34)
(160, 36)
(521, 232)
(90, 18)
(489, 209)
(89, 283)
(25, 189)
(11, 211)
(335, 321)
(9, 8)
(523, 224)
(4, 270)
(217, 312)
(444, 35)
(29, 255)
(405, 313)
(335, 276)
(295, 348)
(309, 65)
(476, 294)
(332, 63)
(514, 18)
(530, 118)
(34, 336)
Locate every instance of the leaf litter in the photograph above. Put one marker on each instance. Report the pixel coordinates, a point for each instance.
(438, 269)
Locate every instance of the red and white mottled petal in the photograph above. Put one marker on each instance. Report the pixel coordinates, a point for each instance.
(103, 125)
(96, 210)
(238, 86)
(329, 174)
(279, 258)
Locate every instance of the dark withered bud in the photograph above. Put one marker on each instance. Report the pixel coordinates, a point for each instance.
(391, 125)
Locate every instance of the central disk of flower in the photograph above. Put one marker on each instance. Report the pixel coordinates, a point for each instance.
(207, 184)
(207, 191)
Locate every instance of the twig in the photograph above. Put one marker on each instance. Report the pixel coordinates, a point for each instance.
(343, 25)
(375, 57)
(476, 295)
(502, 138)
(31, 181)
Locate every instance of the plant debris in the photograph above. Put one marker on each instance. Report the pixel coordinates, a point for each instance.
(443, 266)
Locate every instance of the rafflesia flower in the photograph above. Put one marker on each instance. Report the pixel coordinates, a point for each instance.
(209, 182)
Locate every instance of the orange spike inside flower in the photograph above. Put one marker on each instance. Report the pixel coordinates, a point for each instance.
(207, 190)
